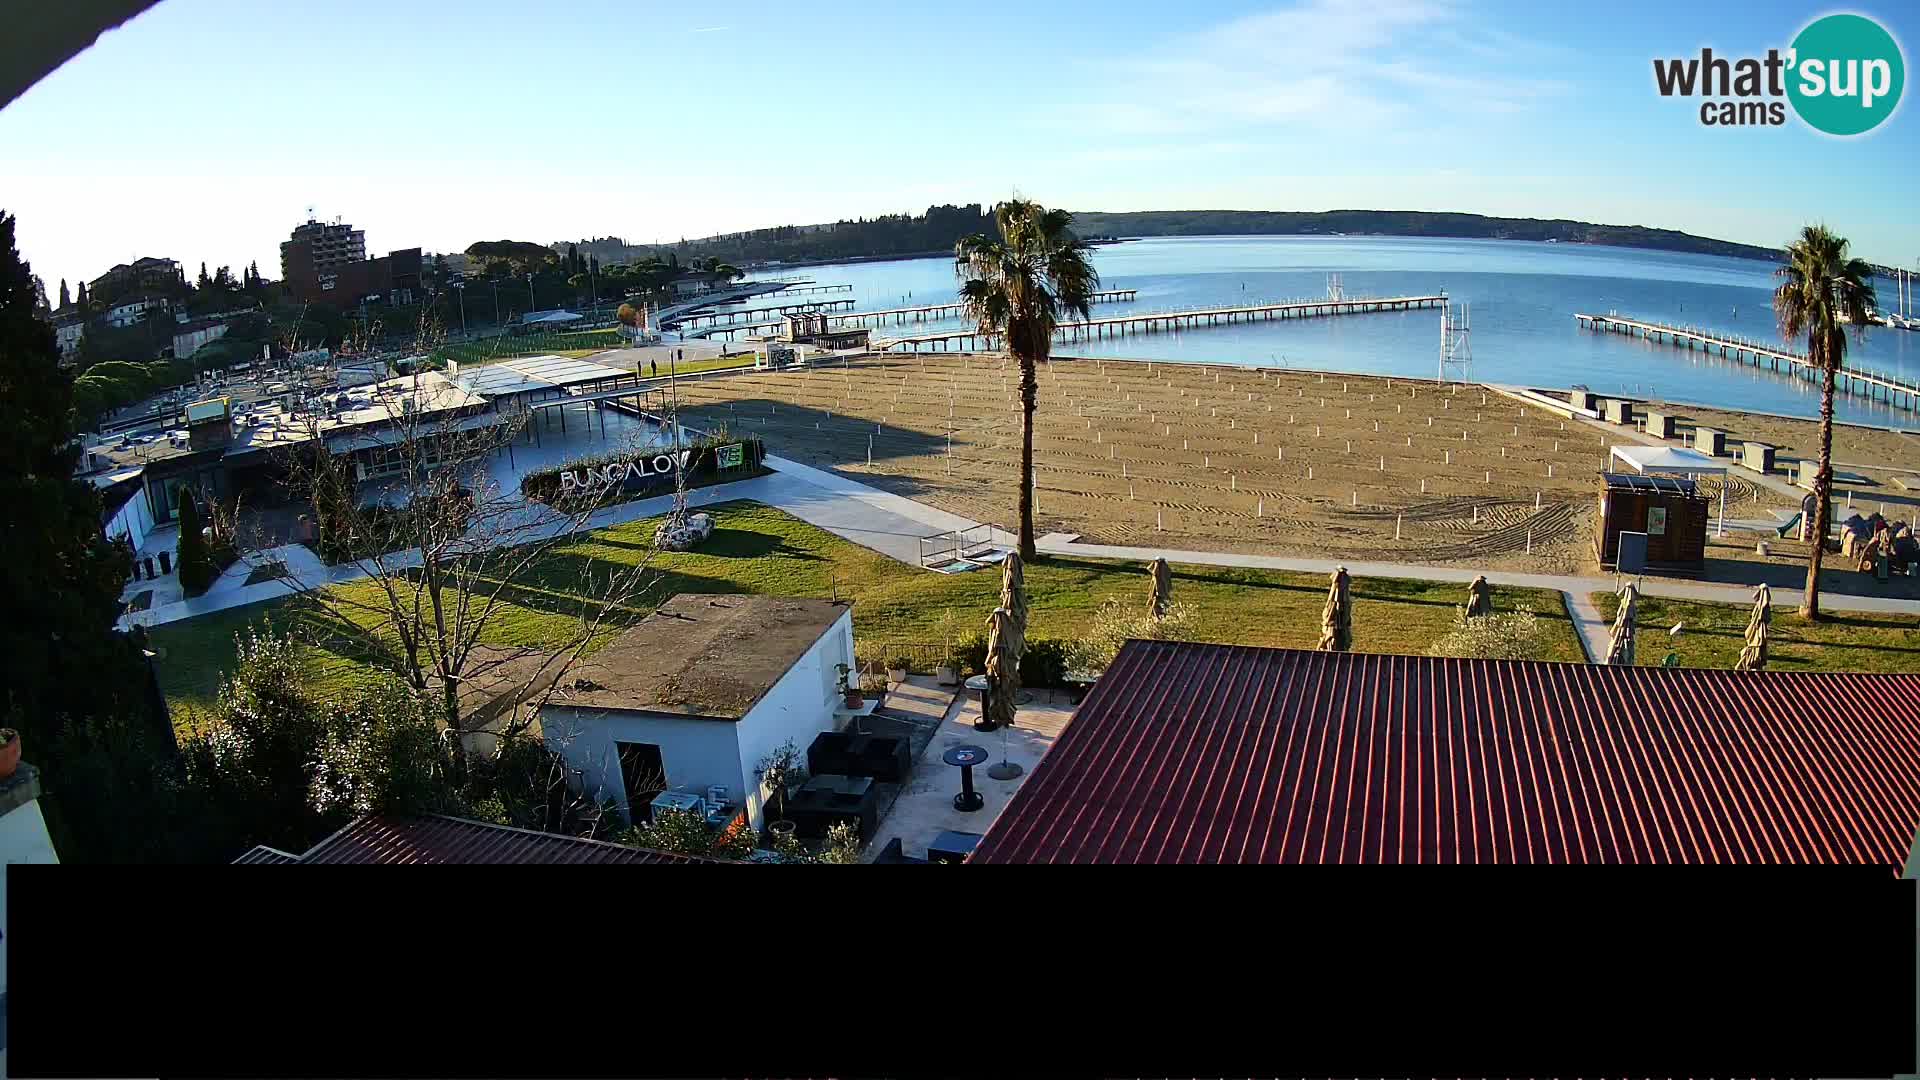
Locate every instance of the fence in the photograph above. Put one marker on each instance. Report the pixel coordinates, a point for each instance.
(960, 545)
(924, 656)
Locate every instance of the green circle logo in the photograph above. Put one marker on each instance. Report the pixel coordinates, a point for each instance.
(1846, 74)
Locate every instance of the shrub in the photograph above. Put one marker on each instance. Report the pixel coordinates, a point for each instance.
(899, 662)
(1503, 635)
(1115, 621)
(683, 832)
(1044, 663)
(972, 653)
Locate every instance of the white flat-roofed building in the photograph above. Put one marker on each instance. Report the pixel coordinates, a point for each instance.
(695, 695)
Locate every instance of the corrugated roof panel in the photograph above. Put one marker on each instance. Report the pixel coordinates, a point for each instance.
(1216, 753)
(446, 840)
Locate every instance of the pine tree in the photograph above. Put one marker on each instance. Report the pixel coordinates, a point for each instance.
(66, 299)
(205, 281)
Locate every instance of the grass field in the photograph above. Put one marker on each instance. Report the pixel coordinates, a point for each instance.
(757, 549)
(1713, 634)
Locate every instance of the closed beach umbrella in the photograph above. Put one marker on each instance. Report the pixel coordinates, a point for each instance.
(1003, 667)
(1160, 591)
(1336, 621)
(1013, 597)
(1479, 597)
(1620, 642)
(1754, 656)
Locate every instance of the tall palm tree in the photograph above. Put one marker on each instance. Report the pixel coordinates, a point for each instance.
(1018, 286)
(1822, 292)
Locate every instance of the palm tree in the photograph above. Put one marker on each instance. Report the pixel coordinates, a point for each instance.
(1018, 286)
(1822, 292)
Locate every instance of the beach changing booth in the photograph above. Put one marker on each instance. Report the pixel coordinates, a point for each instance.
(1656, 492)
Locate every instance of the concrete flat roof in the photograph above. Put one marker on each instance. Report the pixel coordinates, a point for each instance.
(700, 654)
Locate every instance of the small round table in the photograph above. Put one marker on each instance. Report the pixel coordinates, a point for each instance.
(978, 684)
(966, 757)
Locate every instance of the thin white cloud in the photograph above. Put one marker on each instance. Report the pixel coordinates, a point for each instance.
(709, 29)
(1319, 64)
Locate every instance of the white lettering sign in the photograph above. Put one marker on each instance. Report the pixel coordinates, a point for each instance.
(620, 471)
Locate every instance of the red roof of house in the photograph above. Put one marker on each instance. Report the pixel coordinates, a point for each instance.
(436, 839)
(1220, 753)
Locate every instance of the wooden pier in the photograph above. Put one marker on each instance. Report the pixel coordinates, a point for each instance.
(807, 290)
(1860, 382)
(733, 315)
(899, 316)
(1152, 322)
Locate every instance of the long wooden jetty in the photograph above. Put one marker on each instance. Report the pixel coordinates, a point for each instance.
(1861, 382)
(930, 312)
(732, 315)
(805, 290)
(1150, 322)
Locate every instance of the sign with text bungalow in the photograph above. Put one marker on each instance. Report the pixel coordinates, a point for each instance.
(647, 472)
(632, 474)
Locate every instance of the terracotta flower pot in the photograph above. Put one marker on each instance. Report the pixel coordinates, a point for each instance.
(9, 752)
(854, 700)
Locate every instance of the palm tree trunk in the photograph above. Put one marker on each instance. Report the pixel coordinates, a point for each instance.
(1029, 401)
(1823, 496)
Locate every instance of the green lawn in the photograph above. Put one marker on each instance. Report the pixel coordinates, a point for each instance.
(758, 549)
(562, 342)
(1713, 634)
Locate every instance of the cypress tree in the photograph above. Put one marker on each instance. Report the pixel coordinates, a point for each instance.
(66, 298)
(196, 564)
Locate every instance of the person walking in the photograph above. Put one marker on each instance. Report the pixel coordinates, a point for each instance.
(655, 362)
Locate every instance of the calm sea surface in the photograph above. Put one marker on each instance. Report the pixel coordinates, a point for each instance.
(1523, 297)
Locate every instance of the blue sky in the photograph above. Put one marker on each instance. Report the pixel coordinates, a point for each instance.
(205, 128)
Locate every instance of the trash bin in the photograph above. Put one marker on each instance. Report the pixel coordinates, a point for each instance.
(149, 564)
(166, 563)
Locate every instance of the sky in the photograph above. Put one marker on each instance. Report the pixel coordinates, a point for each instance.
(204, 129)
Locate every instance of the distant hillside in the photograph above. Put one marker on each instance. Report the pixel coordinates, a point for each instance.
(1401, 223)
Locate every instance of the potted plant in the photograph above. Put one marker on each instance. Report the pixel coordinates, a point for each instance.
(781, 772)
(897, 668)
(9, 752)
(849, 689)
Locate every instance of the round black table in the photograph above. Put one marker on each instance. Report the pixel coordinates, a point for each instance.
(966, 757)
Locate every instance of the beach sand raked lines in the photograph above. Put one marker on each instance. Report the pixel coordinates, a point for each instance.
(1205, 456)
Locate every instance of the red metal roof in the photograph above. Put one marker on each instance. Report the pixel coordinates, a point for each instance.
(264, 856)
(1224, 753)
(436, 839)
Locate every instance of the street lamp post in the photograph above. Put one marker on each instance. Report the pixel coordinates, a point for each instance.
(460, 289)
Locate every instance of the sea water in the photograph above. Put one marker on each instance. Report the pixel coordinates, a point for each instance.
(1522, 298)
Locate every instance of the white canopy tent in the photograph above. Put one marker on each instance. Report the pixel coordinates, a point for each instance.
(1666, 459)
(549, 318)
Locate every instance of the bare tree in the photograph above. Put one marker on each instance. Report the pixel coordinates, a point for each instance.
(404, 500)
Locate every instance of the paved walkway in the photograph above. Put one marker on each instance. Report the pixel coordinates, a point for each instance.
(1576, 588)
